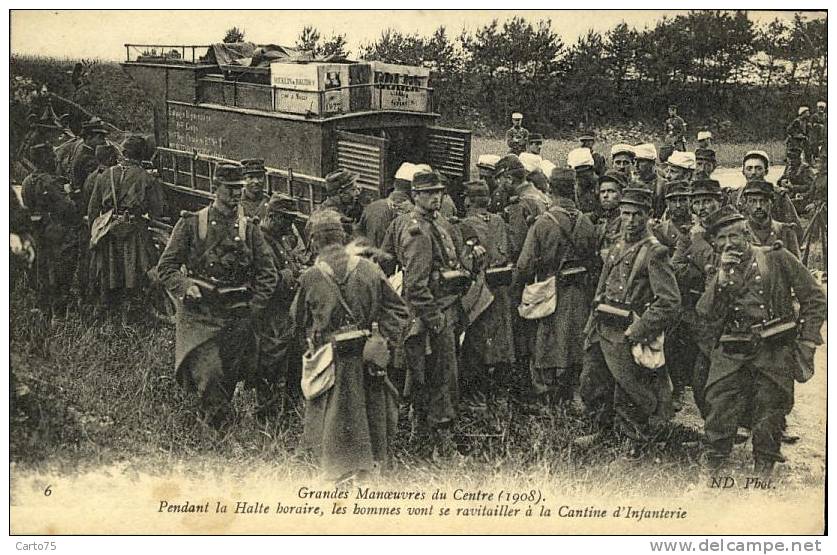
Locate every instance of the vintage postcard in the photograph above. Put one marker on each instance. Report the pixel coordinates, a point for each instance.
(418, 272)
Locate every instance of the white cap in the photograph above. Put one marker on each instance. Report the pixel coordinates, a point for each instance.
(517, 115)
(488, 159)
(578, 157)
(821, 104)
(406, 171)
(622, 148)
(757, 154)
(422, 168)
(547, 167)
(646, 151)
(685, 160)
(704, 135)
(802, 109)
(530, 161)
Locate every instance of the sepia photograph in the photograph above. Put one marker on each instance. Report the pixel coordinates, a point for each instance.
(418, 272)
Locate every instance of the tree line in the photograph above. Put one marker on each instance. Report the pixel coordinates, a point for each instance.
(724, 71)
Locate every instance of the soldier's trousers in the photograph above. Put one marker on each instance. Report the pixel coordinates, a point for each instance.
(559, 382)
(214, 386)
(726, 402)
(617, 391)
(432, 377)
(681, 352)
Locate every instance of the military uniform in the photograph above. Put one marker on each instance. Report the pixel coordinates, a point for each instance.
(599, 164)
(54, 226)
(608, 232)
(761, 372)
(613, 386)
(379, 214)
(676, 132)
(798, 180)
(122, 258)
(351, 425)
(586, 193)
(783, 209)
(253, 203)
(254, 208)
(774, 231)
(561, 239)
(520, 213)
(517, 139)
(424, 246)
(489, 340)
(215, 343)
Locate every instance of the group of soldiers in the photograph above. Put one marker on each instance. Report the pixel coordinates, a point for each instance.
(86, 207)
(623, 282)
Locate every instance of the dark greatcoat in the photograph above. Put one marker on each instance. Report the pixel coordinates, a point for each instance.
(121, 260)
(490, 339)
(351, 425)
(254, 208)
(558, 341)
(776, 231)
(378, 214)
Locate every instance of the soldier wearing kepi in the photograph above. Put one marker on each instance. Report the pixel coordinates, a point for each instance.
(705, 163)
(679, 216)
(755, 166)
(123, 251)
(637, 298)
(525, 201)
(681, 167)
(692, 260)
(82, 159)
(535, 144)
(764, 230)
(517, 137)
(378, 214)
(588, 139)
(342, 196)
(623, 156)
(798, 130)
(764, 346)
(798, 177)
(253, 198)
(560, 244)
(346, 306)
(278, 356)
(704, 140)
(228, 282)
(489, 340)
(646, 167)
(53, 221)
(423, 243)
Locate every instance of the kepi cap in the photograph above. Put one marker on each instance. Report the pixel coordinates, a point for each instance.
(802, 110)
(253, 166)
(702, 135)
(622, 148)
(281, 203)
(637, 197)
(613, 176)
(678, 189)
(405, 171)
(230, 174)
(476, 188)
(339, 180)
(325, 220)
(708, 187)
(721, 218)
(579, 157)
(705, 154)
(760, 154)
(508, 163)
(680, 159)
(536, 138)
(530, 161)
(645, 151)
(758, 187)
(424, 180)
(517, 115)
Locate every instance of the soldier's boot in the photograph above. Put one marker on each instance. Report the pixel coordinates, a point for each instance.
(763, 468)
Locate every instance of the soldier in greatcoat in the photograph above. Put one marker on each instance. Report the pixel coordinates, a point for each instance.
(705, 163)
(675, 129)
(646, 168)
(82, 157)
(586, 181)
(587, 140)
(228, 280)
(561, 243)
(693, 260)
(798, 177)
(254, 198)
(122, 257)
(488, 344)
(279, 357)
(425, 245)
(764, 347)
(757, 197)
(637, 298)
(609, 225)
(622, 158)
(378, 214)
(349, 426)
(54, 223)
(343, 196)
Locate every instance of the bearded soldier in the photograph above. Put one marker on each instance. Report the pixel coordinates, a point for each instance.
(228, 282)
(755, 166)
(637, 298)
(560, 244)
(764, 346)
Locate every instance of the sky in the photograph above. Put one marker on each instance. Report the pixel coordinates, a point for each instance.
(102, 34)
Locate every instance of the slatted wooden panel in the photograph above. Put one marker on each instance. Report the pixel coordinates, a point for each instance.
(364, 156)
(449, 151)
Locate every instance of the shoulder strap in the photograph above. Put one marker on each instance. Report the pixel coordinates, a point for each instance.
(113, 189)
(569, 236)
(242, 227)
(639, 262)
(203, 223)
(761, 262)
(328, 272)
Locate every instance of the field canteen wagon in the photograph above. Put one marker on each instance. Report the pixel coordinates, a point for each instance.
(305, 118)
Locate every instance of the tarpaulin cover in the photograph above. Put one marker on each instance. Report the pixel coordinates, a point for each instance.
(247, 54)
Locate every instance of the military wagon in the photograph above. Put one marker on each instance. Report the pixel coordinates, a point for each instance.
(304, 117)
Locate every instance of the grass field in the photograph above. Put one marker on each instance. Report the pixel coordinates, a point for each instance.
(102, 394)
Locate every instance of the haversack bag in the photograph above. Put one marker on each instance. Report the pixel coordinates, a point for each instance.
(317, 371)
(539, 300)
(109, 221)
